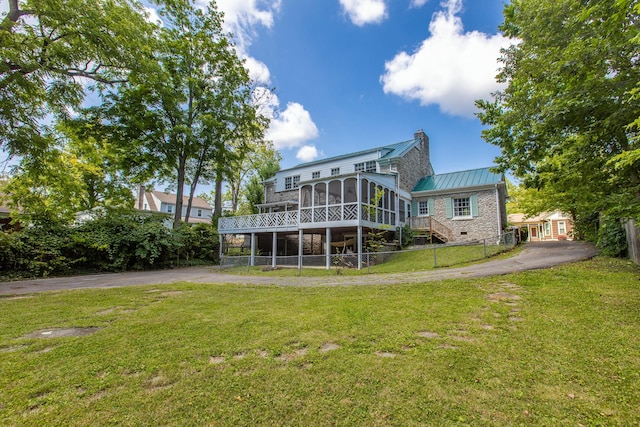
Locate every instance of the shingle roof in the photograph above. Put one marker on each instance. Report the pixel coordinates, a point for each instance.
(453, 180)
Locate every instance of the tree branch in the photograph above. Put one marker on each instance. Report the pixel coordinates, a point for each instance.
(14, 15)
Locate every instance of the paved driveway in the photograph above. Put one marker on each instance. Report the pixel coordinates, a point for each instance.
(533, 256)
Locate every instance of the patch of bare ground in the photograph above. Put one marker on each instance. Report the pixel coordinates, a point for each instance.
(97, 395)
(503, 296)
(171, 293)
(385, 354)
(288, 357)
(463, 338)
(329, 346)
(448, 347)
(158, 382)
(108, 311)
(428, 334)
(12, 349)
(63, 332)
(216, 360)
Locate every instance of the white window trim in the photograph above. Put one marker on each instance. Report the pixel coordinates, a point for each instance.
(425, 204)
(564, 227)
(453, 208)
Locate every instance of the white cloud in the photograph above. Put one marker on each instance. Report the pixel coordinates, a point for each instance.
(242, 16)
(418, 3)
(307, 153)
(292, 127)
(258, 70)
(451, 68)
(152, 16)
(362, 12)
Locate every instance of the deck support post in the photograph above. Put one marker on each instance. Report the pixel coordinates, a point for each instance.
(359, 247)
(328, 247)
(300, 248)
(253, 250)
(274, 248)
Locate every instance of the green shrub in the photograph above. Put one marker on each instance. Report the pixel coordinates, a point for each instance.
(112, 240)
(612, 240)
(38, 250)
(123, 239)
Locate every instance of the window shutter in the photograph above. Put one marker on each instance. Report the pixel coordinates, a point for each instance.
(449, 205)
(474, 205)
(414, 208)
(431, 207)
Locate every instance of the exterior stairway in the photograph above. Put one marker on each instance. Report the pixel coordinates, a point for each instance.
(430, 227)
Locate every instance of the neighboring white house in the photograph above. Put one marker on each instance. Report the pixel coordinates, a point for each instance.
(158, 201)
(329, 206)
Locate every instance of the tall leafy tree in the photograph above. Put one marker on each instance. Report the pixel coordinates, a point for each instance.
(50, 50)
(177, 116)
(565, 120)
(78, 174)
(262, 167)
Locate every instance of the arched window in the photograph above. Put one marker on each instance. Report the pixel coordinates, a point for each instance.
(364, 190)
(350, 193)
(335, 192)
(305, 196)
(320, 194)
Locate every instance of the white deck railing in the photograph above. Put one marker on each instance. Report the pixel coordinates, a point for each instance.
(345, 213)
(259, 221)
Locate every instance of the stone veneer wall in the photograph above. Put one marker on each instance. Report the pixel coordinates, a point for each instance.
(485, 225)
(414, 165)
(283, 196)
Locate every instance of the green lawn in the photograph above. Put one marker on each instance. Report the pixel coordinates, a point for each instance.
(397, 262)
(553, 347)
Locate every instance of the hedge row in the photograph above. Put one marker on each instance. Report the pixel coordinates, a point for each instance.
(113, 240)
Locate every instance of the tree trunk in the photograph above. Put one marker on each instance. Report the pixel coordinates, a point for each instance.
(217, 210)
(181, 173)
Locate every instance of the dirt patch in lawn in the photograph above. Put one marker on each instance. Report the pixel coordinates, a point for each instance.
(503, 296)
(63, 332)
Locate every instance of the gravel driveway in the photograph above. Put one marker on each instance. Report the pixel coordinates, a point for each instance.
(534, 256)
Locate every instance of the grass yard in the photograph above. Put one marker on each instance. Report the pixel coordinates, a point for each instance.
(553, 347)
(398, 262)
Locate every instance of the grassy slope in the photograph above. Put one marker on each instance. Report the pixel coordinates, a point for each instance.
(553, 347)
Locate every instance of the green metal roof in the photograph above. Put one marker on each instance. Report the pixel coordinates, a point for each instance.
(453, 180)
(397, 150)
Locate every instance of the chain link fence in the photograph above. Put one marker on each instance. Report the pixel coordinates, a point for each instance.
(432, 255)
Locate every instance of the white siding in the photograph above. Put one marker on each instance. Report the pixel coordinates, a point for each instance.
(346, 166)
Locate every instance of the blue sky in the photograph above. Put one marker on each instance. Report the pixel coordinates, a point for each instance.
(348, 75)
